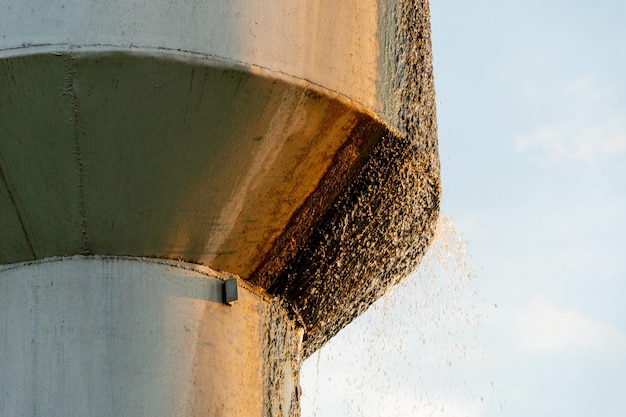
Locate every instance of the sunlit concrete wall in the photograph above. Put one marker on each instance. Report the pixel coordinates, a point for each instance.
(134, 337)
(260, 99)
(336, 45)
(291, 143)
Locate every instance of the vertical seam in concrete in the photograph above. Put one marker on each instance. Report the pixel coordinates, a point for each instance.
(17, 211)
(69, 89)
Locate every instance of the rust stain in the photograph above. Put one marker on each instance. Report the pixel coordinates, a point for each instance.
(345, 163)
(308, 158)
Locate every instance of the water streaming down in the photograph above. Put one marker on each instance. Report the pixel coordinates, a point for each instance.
(375, 232)
(403, 357)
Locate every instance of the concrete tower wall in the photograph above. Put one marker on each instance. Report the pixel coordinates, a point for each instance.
(290, 143)
(131, 337)
(335, 45)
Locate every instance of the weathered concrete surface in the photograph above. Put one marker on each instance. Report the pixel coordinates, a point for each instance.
(105, 337)
(331, 44)
(290, 143)
(376, 231)
(117, 153)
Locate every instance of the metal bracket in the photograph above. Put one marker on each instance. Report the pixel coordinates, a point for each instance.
(230, 291)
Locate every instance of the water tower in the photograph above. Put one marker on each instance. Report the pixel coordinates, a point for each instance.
(195, 195)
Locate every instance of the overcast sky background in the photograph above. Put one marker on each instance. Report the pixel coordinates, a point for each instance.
(532, 322)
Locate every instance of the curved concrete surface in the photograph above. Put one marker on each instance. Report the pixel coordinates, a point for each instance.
(150, 155)
(131, 337)
(336, 45)
(290, 143)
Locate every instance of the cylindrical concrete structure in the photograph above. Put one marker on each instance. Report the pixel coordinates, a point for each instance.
(104, 336)
(291, 144)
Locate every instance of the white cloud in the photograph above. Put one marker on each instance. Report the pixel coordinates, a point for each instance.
(586, 92)
(545, 328)
(594, 125)
(575, 140)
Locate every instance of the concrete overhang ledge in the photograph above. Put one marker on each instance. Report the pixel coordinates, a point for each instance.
(302, 157)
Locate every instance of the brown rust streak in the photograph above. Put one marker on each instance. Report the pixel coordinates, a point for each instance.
(302, 161)
(345, 164)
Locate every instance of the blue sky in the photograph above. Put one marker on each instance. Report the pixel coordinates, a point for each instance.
(532, 135)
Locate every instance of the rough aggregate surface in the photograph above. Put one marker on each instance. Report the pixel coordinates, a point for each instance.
(282, 351)
(376, 230)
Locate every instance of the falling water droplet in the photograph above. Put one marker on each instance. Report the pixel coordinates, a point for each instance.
(402, 356)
